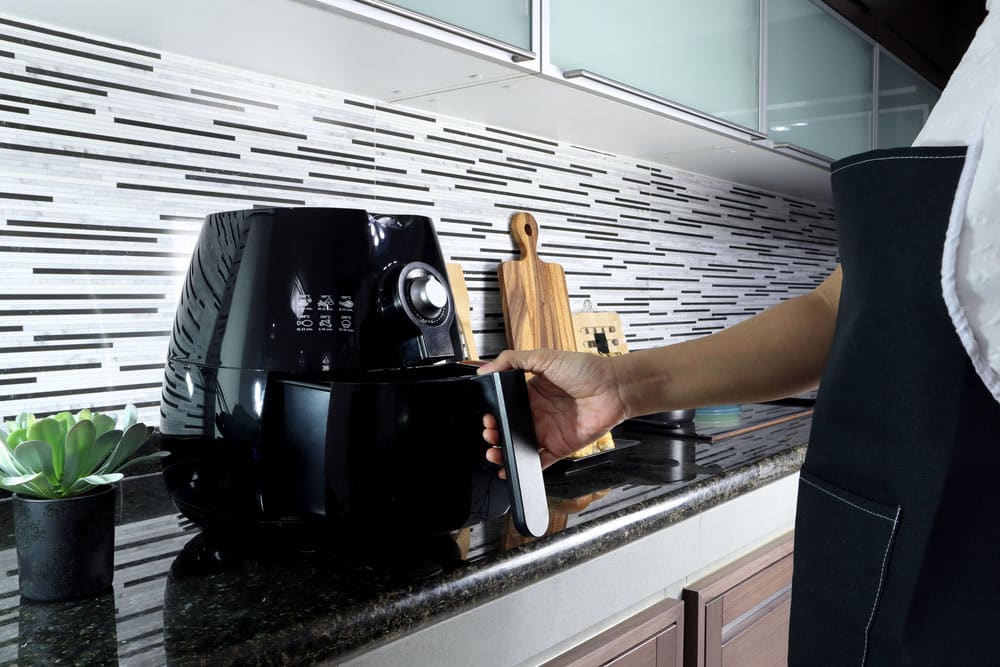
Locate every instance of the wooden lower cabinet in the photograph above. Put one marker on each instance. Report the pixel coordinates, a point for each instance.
(738, 615)
(652, 638)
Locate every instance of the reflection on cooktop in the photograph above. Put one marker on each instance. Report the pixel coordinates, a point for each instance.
(648, 458)
(751, 416)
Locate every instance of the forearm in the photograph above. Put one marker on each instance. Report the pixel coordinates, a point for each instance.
(776, 353)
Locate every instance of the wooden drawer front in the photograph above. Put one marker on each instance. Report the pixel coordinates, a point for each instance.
(651, 638)
(662, 650)
(670, 646)
(643, 655)
(765, 642)
(738, 616)
(757, 591)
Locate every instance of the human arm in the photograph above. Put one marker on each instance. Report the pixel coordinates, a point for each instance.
(576, 397)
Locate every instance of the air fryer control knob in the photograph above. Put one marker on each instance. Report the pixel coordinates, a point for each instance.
(427, 295)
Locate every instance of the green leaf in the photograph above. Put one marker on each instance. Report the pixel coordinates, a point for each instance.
(103, 423)
(20, 479)
(9, 466)
(83, 434)
(127, 418)
(90, 481)
(25, 485)
(89, 459)
(24, 420)
(36, 456)
(16, 437)
(143, 459)
(47, 429)
(51, 431)
(66, 420)
(80, 439)
(132, 439)
(86, 413)
(3, 435)
(97, 480)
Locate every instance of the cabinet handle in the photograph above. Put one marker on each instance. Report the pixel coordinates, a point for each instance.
(693, 115)
(804, 154)
(517, 55)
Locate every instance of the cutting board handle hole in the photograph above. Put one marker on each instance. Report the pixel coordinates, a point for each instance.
(527, 230)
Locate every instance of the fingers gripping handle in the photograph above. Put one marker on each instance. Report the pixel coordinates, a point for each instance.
(507, 396)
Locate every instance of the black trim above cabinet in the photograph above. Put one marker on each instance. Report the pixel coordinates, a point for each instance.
(931, 37)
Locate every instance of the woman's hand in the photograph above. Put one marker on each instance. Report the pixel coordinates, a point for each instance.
(574, 400)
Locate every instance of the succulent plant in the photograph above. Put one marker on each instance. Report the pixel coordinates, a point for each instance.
(68, 454)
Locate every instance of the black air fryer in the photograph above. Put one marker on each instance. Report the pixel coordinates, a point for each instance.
(311, 384)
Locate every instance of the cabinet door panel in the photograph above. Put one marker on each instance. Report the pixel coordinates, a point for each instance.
(820, 76)
(704, 55)
(651, 638)
(504, 20)
(905, 101)
(738, 615)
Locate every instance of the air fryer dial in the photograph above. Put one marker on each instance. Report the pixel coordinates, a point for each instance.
(428, 296)
(423, 294)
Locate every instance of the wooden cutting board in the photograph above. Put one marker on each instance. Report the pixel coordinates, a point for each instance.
(533, 293)
(536, 310)
(460, 297)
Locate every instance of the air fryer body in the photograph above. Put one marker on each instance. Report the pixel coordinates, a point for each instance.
(308, 366)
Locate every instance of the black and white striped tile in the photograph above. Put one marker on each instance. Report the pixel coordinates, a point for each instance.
(111, 154)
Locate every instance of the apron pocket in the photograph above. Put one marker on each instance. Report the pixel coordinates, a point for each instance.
(842, 549)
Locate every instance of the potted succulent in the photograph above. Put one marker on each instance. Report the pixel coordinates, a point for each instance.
(61, 470)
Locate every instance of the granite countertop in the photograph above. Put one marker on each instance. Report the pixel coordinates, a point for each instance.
(180, 599)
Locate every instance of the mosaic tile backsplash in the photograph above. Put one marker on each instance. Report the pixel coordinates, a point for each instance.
(111, 155)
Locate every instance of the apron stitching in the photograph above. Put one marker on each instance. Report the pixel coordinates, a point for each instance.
(900, 157)
(881, 581)
(845, 500)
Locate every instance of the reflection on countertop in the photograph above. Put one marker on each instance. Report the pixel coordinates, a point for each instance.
(182, 598)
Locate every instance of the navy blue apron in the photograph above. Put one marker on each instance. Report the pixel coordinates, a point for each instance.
(897, 532)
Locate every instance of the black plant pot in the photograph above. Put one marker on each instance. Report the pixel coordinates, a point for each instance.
(65, 547)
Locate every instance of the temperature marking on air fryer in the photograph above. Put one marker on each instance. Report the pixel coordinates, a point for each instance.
(304, 320)
(325, 302)
(346, 313)
(325, 322)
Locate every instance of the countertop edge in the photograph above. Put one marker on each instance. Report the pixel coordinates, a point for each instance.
(424, 604)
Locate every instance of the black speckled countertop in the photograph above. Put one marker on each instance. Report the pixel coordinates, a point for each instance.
(179, 599)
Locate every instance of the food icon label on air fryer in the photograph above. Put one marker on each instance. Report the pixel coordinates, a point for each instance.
(324, 312)
(346, 314)
(304, 319)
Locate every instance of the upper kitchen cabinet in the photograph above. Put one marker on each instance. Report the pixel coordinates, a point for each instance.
(704, 56)
(820, 80)
(361, 48)
(507, 21)
(905, 99)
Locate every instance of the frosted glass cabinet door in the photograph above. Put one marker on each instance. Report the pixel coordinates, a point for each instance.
(819, 80)
(504, 20)
(905, 99)
(703, 54)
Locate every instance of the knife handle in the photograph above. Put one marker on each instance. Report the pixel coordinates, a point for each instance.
(507, 398)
